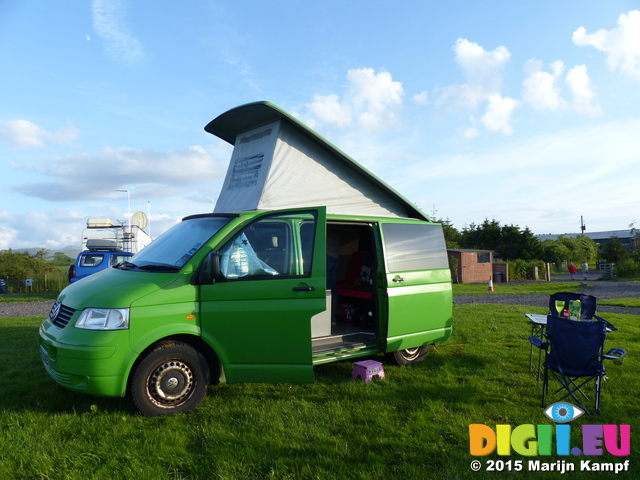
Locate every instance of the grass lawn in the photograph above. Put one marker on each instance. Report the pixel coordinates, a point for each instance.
(545, 288)
(621, 302)
(412, 425)
(29, 297)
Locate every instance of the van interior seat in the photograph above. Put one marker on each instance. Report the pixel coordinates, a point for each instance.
(358, 283)
(276, 259)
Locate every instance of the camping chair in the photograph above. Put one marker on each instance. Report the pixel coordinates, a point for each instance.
(574, 356)
(588, 311)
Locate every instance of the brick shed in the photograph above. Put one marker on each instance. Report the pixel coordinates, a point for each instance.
(474, 266)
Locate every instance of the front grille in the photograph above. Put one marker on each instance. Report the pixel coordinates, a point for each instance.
(60, 315)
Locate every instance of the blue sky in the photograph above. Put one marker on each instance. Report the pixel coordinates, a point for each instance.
(523, 112)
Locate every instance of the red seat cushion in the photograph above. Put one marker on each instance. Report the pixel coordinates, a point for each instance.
(359, 274)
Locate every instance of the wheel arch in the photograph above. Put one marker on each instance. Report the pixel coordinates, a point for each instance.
(213, 361)
(408, 356)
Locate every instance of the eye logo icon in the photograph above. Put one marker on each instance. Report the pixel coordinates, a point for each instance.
(562, 412)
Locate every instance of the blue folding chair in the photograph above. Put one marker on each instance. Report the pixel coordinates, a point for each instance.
(574, 356)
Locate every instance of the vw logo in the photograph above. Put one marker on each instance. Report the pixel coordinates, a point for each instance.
(55, 310)
(172, 383)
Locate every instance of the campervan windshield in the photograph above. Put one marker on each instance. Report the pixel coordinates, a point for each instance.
(176, 246)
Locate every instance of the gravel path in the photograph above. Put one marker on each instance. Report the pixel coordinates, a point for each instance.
(15, 309)
(601, 289)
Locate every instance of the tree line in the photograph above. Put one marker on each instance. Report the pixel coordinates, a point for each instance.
(516, 244)
(513, 243)
(625, 258)
(48, 273)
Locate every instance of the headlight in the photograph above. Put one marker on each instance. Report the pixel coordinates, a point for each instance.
(104, 319)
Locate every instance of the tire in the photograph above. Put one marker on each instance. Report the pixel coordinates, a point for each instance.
(171, 378)
(410, 356)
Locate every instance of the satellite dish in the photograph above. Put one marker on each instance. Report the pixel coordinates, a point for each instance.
(139, 219)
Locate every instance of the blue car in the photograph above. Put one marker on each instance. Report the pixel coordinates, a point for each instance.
(93, 261)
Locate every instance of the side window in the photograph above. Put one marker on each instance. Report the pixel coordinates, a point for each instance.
(272, 247)
(91, 260)
(414, 247)
(116, 259)
(484, 257)
(263, 249)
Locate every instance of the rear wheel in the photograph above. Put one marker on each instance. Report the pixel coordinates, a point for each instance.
(173, 377)
(409, 356)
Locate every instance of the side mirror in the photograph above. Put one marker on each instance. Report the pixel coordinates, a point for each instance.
(209, 271)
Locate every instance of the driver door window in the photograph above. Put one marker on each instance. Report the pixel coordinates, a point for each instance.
(262, 250)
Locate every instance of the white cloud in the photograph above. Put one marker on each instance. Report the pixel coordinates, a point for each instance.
(7, 233)
(472, 131)
(27, 230)
(328, 109)
(61, 227)
(371, 99)
(456, 97)
(537, 175)
(621, 44)
(498, 115)
(374, 97)
(26, 134)
(583, 153)
(173, 183)
(483, 73)
(109, 24)
(481, 68)
(542, 89)
(421, 99)
(583, 95)
(154, 174)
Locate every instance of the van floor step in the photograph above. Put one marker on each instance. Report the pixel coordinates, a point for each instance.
(337, 343)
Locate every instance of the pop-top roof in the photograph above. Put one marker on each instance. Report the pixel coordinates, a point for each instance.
(278, 162)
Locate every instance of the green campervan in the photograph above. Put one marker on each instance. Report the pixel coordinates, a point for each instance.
(306, 259)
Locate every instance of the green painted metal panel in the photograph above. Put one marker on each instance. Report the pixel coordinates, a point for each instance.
(420, 302)
(261, 327)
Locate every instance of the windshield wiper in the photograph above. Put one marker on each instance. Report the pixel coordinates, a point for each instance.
(159, 268)
(154, 267)
(125, 266)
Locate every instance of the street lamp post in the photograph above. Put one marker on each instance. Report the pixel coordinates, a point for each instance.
(128, 215)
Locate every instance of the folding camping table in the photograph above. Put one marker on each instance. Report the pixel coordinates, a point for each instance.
(538, 325)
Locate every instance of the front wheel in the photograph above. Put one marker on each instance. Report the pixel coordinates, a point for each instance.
(173, 377)
(409, 356)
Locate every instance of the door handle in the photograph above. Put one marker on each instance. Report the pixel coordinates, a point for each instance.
(398, 279)
(304, 289)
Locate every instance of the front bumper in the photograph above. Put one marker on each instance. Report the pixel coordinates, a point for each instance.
(71, 360)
